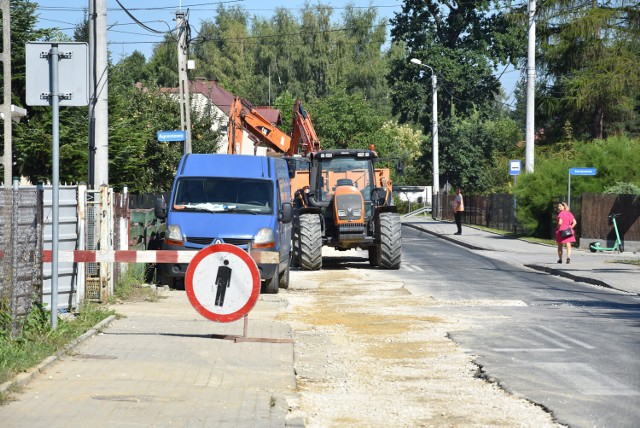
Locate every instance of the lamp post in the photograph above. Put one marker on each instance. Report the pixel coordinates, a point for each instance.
(435, 191)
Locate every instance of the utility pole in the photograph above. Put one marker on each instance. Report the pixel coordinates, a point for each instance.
(99, 89)
(435, 191)
(531, 88)
(7, 156)
(183, 79)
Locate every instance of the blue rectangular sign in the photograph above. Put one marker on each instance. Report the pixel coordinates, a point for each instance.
(515, 167)
(171, 136)
(582, 171)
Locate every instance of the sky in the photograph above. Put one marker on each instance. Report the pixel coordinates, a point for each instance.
(125, 36)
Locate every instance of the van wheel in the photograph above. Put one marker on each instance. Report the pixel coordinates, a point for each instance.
(284, 279)
(389, 237)
(167, 280)
(310, 242)
(271, 286)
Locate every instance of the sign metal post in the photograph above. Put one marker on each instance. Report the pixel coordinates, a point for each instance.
(515, 168)
(45, 88)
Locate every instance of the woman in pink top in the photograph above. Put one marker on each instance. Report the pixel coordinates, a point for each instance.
(565, 220)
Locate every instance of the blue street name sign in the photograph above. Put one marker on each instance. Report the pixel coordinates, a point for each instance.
(582, 171)
(171, 136)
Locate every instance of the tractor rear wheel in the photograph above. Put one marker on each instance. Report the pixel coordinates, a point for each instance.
(389, 236)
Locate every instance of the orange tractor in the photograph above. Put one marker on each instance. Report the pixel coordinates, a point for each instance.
(341, 199)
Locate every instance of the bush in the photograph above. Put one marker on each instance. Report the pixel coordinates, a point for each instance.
(615, 159)
(621, 188)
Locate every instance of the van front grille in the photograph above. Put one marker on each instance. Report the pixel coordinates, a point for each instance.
(208, 241)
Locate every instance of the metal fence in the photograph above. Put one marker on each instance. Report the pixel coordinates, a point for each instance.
(20, 252)
(496, 211)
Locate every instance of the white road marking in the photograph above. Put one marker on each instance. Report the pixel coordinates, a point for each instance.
(528, 350)
(587, 380)
(567, 338)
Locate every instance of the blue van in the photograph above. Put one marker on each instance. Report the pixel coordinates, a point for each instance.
(241, 200)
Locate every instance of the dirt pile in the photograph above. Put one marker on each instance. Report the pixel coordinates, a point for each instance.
(369, 353)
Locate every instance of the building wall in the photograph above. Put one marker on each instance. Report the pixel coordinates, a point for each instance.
(203, 106)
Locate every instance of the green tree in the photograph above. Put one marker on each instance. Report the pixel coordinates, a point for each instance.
(365, 65)
(223, 50)
(403, 143)
(130, 70)
(162, 67)
(32, 136)
(136, 158)
(346, 120)
(462, 42)
(23, 30)
(589, 67)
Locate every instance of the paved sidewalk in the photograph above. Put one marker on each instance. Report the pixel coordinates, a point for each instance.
(594, 268)
(165, 365)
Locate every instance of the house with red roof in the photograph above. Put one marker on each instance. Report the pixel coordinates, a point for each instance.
(208, 97)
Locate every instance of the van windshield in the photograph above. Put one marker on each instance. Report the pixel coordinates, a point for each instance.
(216, 194)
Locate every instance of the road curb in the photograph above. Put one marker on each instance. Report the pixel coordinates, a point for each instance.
(567, 275)
(22, 379)
(445, 237)
(540, 268)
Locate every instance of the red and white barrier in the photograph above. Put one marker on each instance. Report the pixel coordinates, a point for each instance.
(120, 256)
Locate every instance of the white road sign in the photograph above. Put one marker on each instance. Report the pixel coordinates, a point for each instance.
(222, 282)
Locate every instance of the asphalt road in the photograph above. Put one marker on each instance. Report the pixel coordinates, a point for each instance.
(570, 347)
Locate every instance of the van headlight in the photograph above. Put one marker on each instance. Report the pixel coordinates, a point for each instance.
(174, 235)
(264, 239)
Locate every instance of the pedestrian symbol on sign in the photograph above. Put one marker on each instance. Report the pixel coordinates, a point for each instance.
(236, 287)
(223, 281)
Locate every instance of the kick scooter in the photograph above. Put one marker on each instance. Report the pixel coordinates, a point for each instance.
(617, 246)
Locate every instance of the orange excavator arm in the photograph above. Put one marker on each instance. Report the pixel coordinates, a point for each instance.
(304, 131)
(243, 115)
(234, 132)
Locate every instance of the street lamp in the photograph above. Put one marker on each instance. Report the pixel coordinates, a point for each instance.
(435, 191)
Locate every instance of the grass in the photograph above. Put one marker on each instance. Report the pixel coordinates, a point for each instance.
(628, 262)
(513, 235)
(131, 286)
(37, 340)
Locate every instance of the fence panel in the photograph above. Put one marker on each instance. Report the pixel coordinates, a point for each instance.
(20, 252)
(495, 211)
(596, 225)
(67, 240)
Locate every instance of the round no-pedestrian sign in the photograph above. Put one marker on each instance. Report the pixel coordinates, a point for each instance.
(222, 282)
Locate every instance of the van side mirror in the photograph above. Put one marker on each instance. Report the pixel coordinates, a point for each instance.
(286, 212)
(160, 208)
